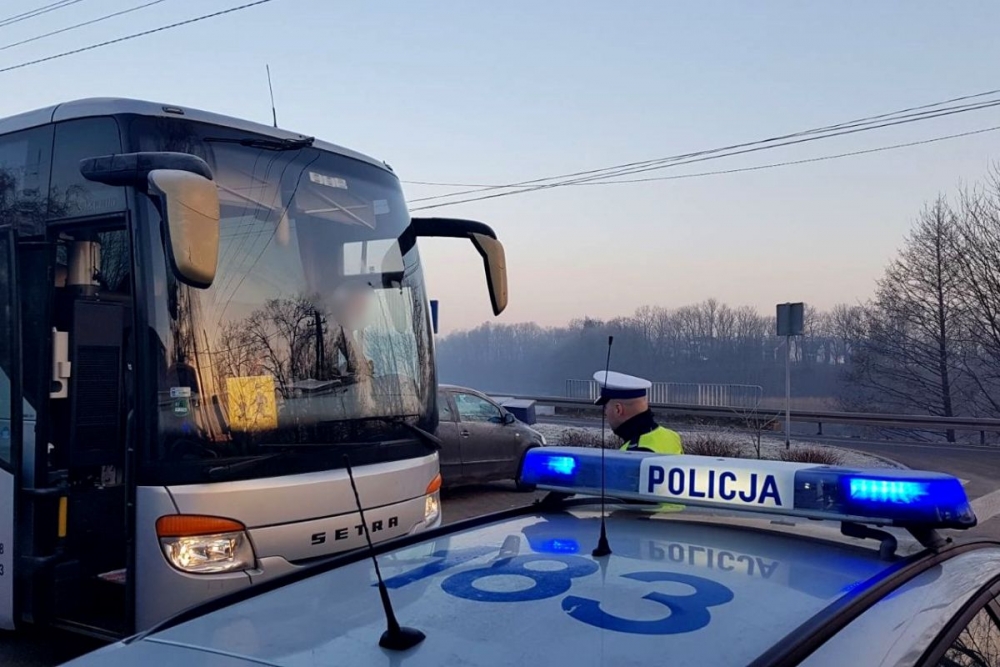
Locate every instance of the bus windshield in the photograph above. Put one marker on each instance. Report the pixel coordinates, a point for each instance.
(313, 340)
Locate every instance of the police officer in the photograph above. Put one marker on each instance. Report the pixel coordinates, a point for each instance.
(626, 407)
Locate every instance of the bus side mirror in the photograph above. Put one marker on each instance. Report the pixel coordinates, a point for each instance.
(182, 187)
(485, 241)
(189, 205)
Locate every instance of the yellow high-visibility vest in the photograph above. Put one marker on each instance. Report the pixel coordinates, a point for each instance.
(660, 440)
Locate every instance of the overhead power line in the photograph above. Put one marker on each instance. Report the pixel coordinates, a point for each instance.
(135, 35)
(925, 111)
(759, 167)
(700, 156)
(772, 165)
(822, 158)
(24, 16)
(80, 25)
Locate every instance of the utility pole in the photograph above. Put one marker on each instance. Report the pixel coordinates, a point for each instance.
(788, 392)
(790, 322)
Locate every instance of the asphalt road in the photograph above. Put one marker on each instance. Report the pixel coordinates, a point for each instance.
(36, 649)
(978, 467)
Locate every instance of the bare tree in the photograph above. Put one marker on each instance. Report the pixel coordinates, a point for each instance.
(977, 259)
(909, 356)
(845, 329)
(757, 420)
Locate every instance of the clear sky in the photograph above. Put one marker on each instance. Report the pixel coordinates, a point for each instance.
(502, 92)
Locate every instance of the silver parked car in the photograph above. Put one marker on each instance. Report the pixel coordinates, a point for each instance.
(483, 442)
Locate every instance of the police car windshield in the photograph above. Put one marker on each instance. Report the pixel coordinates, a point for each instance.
(527, 592)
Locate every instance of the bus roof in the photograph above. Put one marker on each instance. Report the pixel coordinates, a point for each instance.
(109, 106)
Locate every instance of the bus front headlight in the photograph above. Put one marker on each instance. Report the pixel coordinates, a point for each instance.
(432, 508)
(205, 545)
(432, 501)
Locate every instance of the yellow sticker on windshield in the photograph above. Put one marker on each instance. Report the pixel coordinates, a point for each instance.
(252, 403)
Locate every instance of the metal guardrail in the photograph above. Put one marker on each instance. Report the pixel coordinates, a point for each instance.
(723, 395)
(920, 422)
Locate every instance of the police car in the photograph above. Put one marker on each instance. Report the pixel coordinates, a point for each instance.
(712, 562)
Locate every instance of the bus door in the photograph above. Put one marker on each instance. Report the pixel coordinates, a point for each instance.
(90, 320)
(10, 430)
(73, 288)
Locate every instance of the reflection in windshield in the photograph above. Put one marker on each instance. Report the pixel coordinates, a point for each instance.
(315, 322)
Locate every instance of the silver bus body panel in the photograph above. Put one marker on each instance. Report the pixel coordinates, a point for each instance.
(303, 540)
(271, 501)
(8, 489)
(290, 518)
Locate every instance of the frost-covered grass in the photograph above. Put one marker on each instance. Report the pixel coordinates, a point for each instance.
(724, 443)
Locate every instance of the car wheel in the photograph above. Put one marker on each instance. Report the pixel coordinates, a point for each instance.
(523, 488)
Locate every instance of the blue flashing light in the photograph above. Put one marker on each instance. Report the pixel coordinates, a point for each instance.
(887, 491)
(878, 496)
(561, 465)
(573, 469)
(899, 497)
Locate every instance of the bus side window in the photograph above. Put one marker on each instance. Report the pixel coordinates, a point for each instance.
(70, 194)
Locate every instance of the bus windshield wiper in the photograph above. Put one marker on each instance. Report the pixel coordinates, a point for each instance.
(285, 450)
(291, 446)
(218, 471)
(426, 437)
(268, 144)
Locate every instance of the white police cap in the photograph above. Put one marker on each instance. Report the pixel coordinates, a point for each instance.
(620, 385)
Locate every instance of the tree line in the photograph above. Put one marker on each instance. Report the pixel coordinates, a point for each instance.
(708, 342)
(926, 342)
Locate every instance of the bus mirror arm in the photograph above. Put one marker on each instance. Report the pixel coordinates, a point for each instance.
(483, 238)
(133, 169)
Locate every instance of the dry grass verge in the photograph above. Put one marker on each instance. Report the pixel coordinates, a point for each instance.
(813, 455)
(578, 437)
(713, 444)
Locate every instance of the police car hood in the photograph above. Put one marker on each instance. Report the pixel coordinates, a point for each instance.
(528, 592)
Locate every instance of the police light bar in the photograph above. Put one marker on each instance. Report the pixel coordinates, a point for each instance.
(907, 498)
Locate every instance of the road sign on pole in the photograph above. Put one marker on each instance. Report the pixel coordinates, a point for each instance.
(791, 319)
(790, 322)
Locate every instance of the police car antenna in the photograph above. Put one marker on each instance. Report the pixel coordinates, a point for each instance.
(395, 638)
(603, 548)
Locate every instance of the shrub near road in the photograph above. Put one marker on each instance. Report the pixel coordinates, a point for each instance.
(722, 444)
